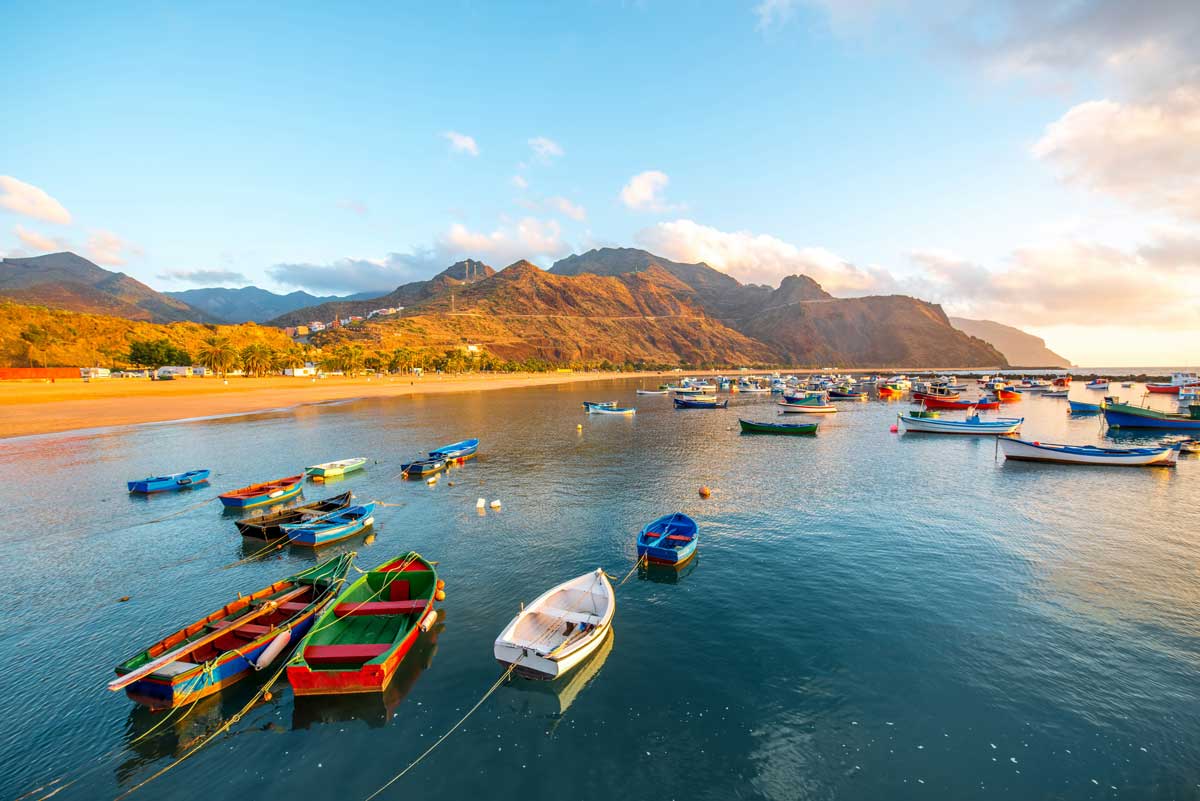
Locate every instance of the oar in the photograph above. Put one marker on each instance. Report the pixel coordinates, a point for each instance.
(179, 653)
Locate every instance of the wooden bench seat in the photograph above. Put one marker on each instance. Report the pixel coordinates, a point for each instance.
(249, 631)
(354, 609)
(342, 654)
(678, 538)
(293, 607)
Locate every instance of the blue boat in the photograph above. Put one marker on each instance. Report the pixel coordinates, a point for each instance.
(171, 483)
(693, 403)
(422, 467)
(603, 404)
(330, 527)
(1079, 407)
(669, 540)
(459, 450)
(1126, 415)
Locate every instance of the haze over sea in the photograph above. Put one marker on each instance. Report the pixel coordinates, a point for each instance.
(870, 616)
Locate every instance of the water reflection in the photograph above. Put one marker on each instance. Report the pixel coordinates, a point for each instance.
(668, 574)
(552, 699)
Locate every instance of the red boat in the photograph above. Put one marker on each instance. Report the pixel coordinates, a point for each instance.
(1008, 395)
(935, 395)
(1063, 382)
(939, 403)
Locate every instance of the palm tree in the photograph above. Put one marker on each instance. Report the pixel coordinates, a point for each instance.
(291, 356)
(218, 354)
(258, 359)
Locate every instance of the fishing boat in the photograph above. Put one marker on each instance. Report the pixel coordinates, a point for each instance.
(980, 403)
(267, 492)
(936, 393)
(338, 468)
(890, 391)
(611, 410)
(653, 391)
(972, 425)
(1177, 380)
(1126, 415)
(267, 527)
(1026, 451)
(669, 540)
(846, 394)
(590, 404)
(700, 403)
(1190, 445)
(1057, 393)
(171, 483)
(752, 427)
(242, 637)
(419, 468)
(330, 527)
(362, 637)
(1079, 407)
(559, 629)
(1099, 383)
(806, 408)
(924, 413)
(458, 451)
(1005, 395)
(688, 391)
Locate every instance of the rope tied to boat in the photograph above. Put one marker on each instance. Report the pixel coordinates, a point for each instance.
(175, 513)
(641, 560)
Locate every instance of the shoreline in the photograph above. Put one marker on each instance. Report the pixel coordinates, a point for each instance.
(33, 408)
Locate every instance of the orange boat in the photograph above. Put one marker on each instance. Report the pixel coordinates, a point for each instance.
(1007, 395)
(267, 492)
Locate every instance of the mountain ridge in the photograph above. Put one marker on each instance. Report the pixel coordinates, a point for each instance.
(254, 304)
(1020, 347)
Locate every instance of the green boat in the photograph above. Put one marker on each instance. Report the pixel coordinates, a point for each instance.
(752, 427)
(338, 468)
(924, 413)
(361, 639)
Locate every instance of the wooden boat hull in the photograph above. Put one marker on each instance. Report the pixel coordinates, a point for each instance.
(422, 468)
(359, 642)
(669, 541)
(938, 403)
(538, 662)
(457, 452)
(171, 483)
(262, 494)
(184, 682)
(948, 396)
(653, 392)
(1079, 407)
(608, 410)
(1022, 450)
(806, 408)
(924, 425)
(691, 403)
(345, 523)
(335, 468)
(1120, 415)
(266, 527)
(793, 429)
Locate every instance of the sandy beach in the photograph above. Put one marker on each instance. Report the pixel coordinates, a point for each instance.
(42, 407)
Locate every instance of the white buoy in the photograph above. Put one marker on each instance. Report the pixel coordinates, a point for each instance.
(495, 504)
(482, 502)
(431, 481)
(273, 650)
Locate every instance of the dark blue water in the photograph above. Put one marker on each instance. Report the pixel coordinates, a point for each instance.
(870, 616)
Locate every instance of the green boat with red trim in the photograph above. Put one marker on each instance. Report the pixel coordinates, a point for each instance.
(361, 639)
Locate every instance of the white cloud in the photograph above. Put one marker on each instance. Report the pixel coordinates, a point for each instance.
(461, 143)
(105, 247)
(30, 201)
(544, 149)
(530, 238)
(759, 258)
(519, 182)
(1145, 153)
(38, 241)
(353, 275)
(645, 191)
(774, 12)
(205, 277)
(565, 207)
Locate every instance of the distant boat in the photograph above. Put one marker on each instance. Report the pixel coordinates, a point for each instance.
(1007, 395)
(559, 629)
(752, 427)
(330, 527)
(972, 425)
(669, 540)
(1190, 445)
(688, 391)
(806, 408)
(924, 413)
(1079, 407)
(361, 638)
(267, 492)
(1099, 383)
(653, 391)
(267, 527)
(337, 468)
(981, 403)
(698, 403)
(457, 451)
(1177, 380)
(422, 467)
(846, 394)
(240, 638)
(1058, 393)
(1023, 450)
(610, 410)
(890, 391)
(1126, 415)
(171, 483)
(590, 404)
(935, 393)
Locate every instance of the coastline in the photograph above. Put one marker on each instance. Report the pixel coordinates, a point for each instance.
(33, 408)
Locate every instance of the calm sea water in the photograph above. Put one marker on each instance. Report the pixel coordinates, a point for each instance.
(870, 616)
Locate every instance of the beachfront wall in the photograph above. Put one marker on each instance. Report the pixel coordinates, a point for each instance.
(16, 373)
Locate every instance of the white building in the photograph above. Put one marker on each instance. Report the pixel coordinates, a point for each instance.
(175, 371)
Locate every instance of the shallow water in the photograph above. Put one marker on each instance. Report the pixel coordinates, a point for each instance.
(870, 616)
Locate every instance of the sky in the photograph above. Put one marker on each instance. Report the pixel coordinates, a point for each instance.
(1034, 162)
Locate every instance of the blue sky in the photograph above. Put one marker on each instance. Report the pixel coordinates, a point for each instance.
(879, 147)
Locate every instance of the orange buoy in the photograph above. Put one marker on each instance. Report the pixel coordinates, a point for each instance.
(705, 492)
(441, 585)
(440, 595)
(267, 696)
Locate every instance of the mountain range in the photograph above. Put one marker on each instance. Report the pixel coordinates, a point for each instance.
(1020, 348)
(615, 304)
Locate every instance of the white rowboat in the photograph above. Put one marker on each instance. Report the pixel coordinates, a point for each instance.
(338, 468)
(1023, 450)
(560, 629)
(972, 425)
